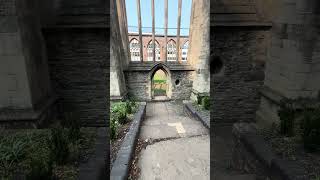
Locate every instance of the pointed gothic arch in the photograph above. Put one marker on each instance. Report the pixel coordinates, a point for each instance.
(171, 50)
(134, 49)
(152, 72)
(150, 51)
(184, 49)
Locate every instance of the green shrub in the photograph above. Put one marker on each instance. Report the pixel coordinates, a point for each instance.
(287, 115)
(199, 99)
(119, 112)
(316, 178)
(114, 126)
(58, 144)
(74, 149)
(307, 121)
(134, 106)
(206, 102)
(40, 168)
(11, 152)
(129, 108)
(72, 122)
(311, 129)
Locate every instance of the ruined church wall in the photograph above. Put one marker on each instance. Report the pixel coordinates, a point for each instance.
(293, 66)
(235, 89)
(24, 69)
(79, 71)
(138, 84)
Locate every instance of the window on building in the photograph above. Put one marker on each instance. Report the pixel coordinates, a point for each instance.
(135, 50)
(171, 51)
(185, 48)
(150, 51)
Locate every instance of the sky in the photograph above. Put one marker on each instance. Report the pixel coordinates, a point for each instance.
(146, 16)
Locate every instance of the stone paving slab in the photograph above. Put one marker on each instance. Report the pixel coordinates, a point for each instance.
(179, 159)
(182, 145)
(222, 156)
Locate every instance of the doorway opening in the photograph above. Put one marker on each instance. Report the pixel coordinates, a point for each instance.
(160, 85)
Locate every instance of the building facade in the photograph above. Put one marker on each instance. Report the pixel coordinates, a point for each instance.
(160, 47)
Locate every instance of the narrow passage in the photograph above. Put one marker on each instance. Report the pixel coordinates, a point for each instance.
(180, 147)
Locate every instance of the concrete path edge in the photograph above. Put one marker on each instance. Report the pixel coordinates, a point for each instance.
(95, 167)
(196, 115)
(272, 166)
(121, 165)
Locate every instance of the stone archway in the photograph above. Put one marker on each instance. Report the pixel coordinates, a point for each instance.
(152, 72)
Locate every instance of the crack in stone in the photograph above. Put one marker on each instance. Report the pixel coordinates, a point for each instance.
(153, 141)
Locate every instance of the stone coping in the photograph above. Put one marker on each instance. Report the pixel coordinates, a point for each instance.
(276, 168)
(28, 118)
(147, 66)
(96, 167)
(241, 24)
(271, 95)
(121, 165)
(189, 107)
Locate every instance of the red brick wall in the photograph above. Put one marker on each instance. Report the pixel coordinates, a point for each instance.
(161, 40)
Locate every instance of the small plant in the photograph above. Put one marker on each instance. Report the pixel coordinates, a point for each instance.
(119, 111)
(206, 103)
(287, 117)
(74, 149)
(59, 145)
(311, 129)
(199, 99)
(129, 108)
(114, 125)
(40, 168)
(317, 178)
(11, 152)
(73, 124)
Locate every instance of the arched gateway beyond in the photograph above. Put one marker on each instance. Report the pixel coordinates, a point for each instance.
(168, 84)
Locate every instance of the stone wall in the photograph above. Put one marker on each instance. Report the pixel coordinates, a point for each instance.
(235, 89)
(199, 50)
(79, 71)
(184, 89)
(118, 58)
(139, 83)
(24, 69)
(293, 65)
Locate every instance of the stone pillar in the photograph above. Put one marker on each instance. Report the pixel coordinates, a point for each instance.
(123, 32)
(178, 31)
(117, 81)
(293, 65)
(165, 29)
(199, 51)
(25, 85)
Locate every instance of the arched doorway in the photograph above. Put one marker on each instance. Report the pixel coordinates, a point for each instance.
(160, 83)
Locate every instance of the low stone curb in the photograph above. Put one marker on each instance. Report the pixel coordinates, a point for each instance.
(121, 165)
(96, 167)
(197, 115)
(253, 155)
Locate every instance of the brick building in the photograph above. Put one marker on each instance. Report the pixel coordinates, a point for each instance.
(160, 47)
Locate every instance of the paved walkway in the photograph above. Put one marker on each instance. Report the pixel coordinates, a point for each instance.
(180, 147)
(222, 156)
